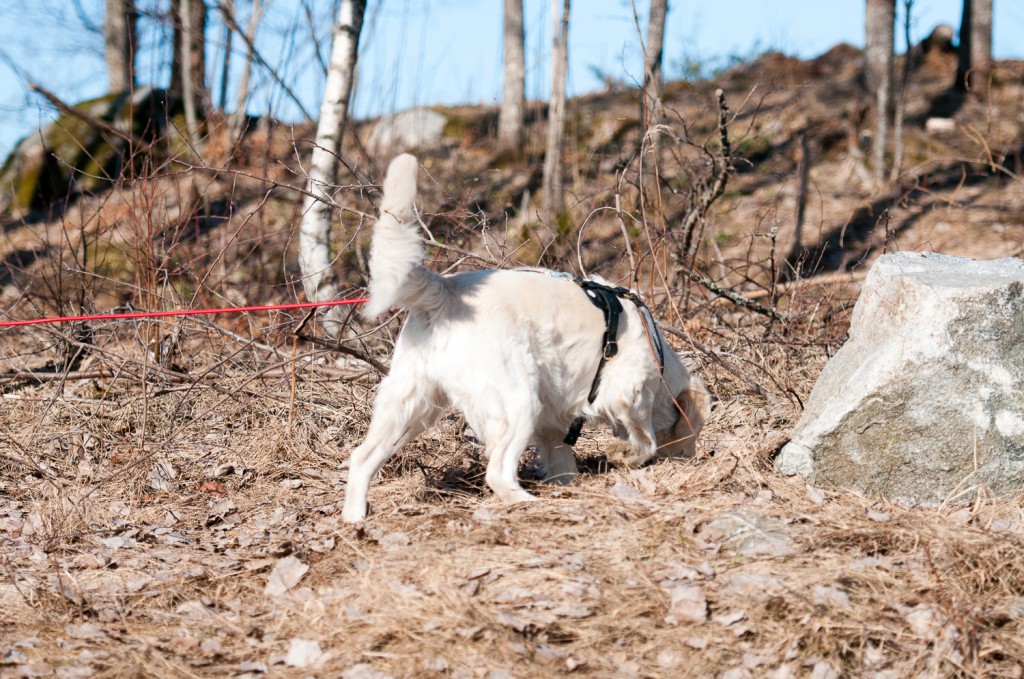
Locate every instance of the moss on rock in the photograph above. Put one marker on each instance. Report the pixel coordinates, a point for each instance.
(71, 155)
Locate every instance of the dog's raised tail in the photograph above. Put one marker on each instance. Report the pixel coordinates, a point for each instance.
(397, 275)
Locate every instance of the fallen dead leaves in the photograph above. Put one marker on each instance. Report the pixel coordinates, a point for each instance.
(730, 581)
(206, 560)
(286, 574)
(213, 487)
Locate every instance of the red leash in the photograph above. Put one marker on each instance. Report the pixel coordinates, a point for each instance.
(188, 312)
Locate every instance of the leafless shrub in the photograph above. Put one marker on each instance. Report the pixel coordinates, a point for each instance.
(150, 486)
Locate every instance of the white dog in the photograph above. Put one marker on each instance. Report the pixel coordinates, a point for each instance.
(517, 353)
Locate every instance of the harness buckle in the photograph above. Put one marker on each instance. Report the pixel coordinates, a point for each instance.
(610, 349)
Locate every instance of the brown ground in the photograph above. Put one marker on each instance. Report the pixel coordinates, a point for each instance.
(174, 511)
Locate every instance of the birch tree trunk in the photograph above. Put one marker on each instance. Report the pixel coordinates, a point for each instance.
(237, 118)
(226, 8)
(552, 177)
(796, 252)
(981, 41)
(653, 57)
(974, 56)
(315, 229)
(899, 114)
(878, 52)
(119, 48)
(963, 60)
(188, 85)
(513, 94)
(188, 65)
(981, 44)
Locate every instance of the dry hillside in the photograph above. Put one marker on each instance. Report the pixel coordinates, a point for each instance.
(170, 490)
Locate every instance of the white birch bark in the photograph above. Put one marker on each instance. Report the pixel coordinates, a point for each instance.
(315, 228)
(552, 177)
(513, 95)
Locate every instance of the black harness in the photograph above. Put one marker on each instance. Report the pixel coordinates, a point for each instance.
(606, 298)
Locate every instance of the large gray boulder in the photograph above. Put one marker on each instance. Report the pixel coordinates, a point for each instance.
(926, 399)
(407, 130)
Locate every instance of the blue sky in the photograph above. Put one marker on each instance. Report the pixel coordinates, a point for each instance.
(441, 51)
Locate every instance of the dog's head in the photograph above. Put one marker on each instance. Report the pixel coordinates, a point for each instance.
(693, 406)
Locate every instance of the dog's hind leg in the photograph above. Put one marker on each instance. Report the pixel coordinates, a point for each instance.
(556, 458)
(402, 410)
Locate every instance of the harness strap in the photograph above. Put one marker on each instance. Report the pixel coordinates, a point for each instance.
(573, 435)
(606, 298)
(609, 304)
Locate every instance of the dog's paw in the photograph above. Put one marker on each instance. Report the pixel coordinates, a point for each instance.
(512, 496)
(353, 514)
(635, 461)
(621, 454)
(618, 453)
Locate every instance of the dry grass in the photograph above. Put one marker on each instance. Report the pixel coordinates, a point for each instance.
(150, 491)
(700, 567)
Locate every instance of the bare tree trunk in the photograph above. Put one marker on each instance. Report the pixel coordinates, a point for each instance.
(120, 43)
(796, 253)
(653, 56)
(513, 94)
(188, 85)
(178, 49)
(901, 98)
(189, 60)
(237, 119)
(963, 61)
(552, 178)
(881, 17)
(974, 58)
(981, 44)
(315, 229)
(226, 6)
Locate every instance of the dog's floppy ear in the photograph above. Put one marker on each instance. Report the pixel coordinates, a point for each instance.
(695, 405)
